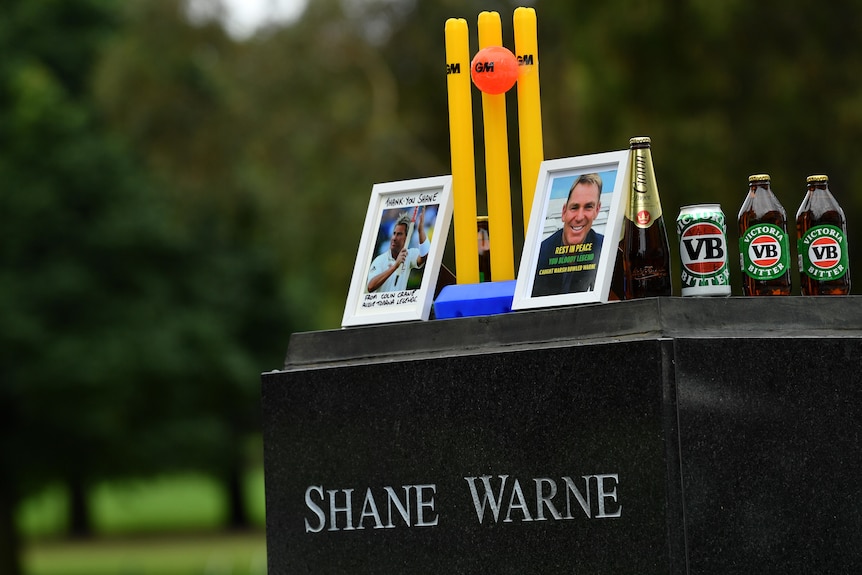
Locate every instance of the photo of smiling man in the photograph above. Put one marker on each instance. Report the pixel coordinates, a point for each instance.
(568, 258)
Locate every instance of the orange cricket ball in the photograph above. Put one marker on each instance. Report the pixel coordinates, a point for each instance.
(494, 70)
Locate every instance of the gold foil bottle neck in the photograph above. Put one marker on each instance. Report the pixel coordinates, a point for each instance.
(642, 174)
(644, 205)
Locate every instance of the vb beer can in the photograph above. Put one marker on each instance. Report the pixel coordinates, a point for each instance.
(702, 232)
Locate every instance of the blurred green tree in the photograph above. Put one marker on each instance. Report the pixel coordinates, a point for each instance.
(264, 150)
(131, 337)
(725, 90)
(306, 117)
(179, 113)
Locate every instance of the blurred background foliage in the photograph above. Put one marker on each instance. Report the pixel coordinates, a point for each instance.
(176, 201)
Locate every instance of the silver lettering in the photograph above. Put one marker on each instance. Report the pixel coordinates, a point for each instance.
(422, 504)
(603, 494)
(399, 506)
(522, 504)
(488, 498)
(572, 489)
(369, 509)
(321, 516)
(347, 509)
(543, 501)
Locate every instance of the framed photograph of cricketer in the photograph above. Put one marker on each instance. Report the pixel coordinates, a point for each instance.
(400, 252)
(574, 229)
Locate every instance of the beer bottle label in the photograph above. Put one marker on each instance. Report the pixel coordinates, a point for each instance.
(765, 251)
(823, 253)
(645, 206)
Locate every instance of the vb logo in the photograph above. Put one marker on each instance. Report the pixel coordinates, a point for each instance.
(764, 251)
(825, 252)
(703, 248)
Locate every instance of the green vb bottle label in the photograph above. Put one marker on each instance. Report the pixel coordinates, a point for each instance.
(823, 253)
(765, 252)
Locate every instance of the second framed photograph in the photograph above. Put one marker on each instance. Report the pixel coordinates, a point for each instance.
(400, 252)
(574, 229)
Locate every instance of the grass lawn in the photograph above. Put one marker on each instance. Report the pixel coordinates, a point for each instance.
(153, 555)
(164, 526)
(187, 502)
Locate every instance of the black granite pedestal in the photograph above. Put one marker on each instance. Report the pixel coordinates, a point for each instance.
(671, 435)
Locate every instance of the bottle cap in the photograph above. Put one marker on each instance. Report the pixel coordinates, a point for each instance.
(818, 179)
(758, 178)
(639, 140)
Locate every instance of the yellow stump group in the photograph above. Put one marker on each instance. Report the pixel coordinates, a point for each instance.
(495, 141)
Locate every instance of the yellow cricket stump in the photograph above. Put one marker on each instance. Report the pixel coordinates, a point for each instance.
(459, 85)
(529, 105)
(461, 143)
(497, 163)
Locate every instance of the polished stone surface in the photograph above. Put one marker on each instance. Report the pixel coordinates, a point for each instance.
(770, 444)
(703, 435)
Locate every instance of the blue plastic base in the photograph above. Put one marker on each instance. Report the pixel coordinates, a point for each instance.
(465, 300)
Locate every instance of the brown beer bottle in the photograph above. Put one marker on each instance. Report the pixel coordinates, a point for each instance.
(821, 230)
(764, 244)
(618, 279)
(646, 254)
(484, 244)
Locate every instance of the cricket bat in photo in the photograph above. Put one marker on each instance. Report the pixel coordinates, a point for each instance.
(407, 240)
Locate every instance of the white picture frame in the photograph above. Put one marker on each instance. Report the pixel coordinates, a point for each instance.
(541, 283)
(408, 292)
